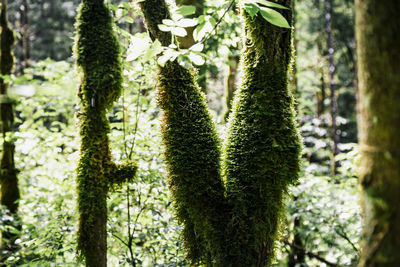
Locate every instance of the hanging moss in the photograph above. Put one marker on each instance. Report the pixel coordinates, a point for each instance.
(192, 151)
(263, 144)
(98, 58)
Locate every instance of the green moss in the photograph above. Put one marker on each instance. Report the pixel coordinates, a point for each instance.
(192, 151)
(237, 227)
(98, 58)
(193, 156)
(263, 144)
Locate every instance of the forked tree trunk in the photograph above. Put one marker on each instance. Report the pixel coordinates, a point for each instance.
(236, 228)
(378, 42)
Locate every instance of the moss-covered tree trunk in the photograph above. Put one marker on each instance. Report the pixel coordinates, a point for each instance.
(262, 149)
(192, 151)
(8, 175)
(378, 42)
(262, 154)
(98, 58)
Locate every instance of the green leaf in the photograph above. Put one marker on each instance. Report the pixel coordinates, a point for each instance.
(164, 28)
(196, 59)
(270, 4)
(168, 22)
(251, 9)
(186, 10)
(274, 17)
(186, 23)
(179, 31)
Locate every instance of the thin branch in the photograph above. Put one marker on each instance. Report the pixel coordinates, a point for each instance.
(312, 255)
(343, 235)
(218, 22)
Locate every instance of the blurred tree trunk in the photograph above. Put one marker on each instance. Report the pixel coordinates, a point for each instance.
(8, 174)
(297, 256)
(230, 83)
(26, 43)
(332, 85)
(378, 42)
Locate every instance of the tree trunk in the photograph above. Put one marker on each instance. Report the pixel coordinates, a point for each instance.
(8, 175)
(332, 85)
(378, 42)
(26, 43)
(263, 146)
(98, 58)
(262, 153)
(230, 84)
(192, 152)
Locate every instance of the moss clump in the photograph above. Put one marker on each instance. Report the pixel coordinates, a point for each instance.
(263, 144)
(98, 58)
(236, 226)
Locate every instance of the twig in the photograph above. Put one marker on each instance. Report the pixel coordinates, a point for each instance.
(218, 22)
(312, 255)
(343, 235)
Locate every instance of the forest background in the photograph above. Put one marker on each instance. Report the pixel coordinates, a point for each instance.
(323, 214)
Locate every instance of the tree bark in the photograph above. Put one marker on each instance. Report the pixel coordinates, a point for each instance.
(8, 174)
(26, 42)
(262, 147)
(230, 84)
(378, 42)
(332, 86)
(99, 60)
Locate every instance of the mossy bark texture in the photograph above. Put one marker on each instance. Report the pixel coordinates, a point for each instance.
(98, 58)
(236, 225)
(192, 150)
(263, 144)
(378, 42)
(8, 174)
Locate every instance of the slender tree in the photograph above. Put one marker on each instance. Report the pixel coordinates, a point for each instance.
(332, 86)
(236, 224)
(378, 42)
(8, 174)
(98, 58)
